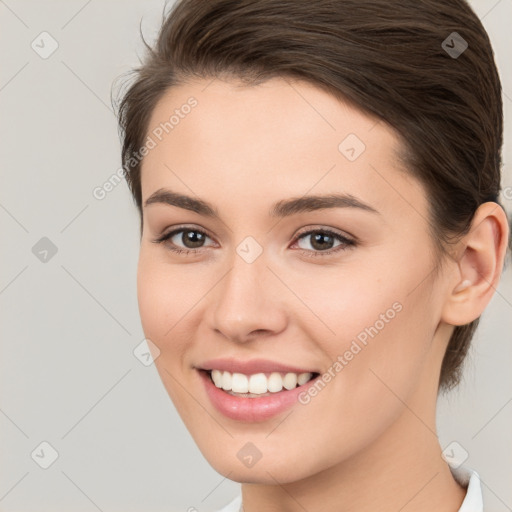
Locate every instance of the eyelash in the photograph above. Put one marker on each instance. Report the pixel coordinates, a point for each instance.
(346, 243)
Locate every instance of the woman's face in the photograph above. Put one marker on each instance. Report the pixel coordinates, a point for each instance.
(345, 292)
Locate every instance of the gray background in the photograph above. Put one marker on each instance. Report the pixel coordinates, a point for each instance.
(70, 325)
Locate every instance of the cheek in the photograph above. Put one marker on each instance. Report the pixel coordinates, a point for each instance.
(374, 324)
(165, 295)
(164, 298)
(377, 354)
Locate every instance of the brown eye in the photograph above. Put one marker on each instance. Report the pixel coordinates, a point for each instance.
(183, 240)
(322, 242)
(191, 239)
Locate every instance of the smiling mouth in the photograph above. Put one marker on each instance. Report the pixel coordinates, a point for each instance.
(259, 384)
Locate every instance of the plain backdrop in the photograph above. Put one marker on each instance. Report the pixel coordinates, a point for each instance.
(111, 437)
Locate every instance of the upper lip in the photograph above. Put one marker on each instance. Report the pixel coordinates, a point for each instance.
(251, 367)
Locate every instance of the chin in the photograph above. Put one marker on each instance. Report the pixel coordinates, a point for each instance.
(264, 474)
(267, 470)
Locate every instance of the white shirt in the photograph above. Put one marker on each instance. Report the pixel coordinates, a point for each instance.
(466, 477)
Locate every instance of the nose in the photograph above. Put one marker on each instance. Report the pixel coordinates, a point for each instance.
(247, 302)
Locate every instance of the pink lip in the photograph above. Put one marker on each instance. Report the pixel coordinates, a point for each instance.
(251, 367)
(251, 409)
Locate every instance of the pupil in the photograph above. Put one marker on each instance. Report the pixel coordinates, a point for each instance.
(318, 238)
(193, 237)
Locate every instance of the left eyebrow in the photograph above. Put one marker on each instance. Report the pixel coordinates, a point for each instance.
(283, 208)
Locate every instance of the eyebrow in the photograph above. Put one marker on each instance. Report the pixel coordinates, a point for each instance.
(283, 208)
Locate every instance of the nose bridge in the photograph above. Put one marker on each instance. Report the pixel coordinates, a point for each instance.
(243, 302)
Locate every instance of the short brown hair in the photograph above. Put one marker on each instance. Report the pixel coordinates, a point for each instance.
(392, 61)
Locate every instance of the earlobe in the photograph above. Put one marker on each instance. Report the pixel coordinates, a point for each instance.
(479, 267)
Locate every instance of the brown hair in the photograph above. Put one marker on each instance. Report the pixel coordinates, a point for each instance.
(392, 61)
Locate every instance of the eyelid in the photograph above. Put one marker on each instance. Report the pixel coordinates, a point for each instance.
(319, 227)
(346, 242)
(166, 234)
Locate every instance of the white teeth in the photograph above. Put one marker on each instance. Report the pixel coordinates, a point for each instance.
(303, 378)
(240, 383)
(259, 383)
(275, 382)
(217, 378)
(226, 381)
(290, 381)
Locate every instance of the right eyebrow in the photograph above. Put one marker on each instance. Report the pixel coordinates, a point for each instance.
(166, 196)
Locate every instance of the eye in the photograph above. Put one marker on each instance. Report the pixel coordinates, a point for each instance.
(322, 240)
(192, 239)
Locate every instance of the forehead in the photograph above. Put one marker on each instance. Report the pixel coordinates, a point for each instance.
(276, 139)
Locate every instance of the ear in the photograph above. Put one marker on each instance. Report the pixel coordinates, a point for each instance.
(478, 266)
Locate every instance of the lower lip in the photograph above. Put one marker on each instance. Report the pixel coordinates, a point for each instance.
(251, 409)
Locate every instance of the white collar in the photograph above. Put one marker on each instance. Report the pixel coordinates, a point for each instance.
(470, 480)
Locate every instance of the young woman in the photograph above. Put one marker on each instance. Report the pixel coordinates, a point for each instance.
(318, 183)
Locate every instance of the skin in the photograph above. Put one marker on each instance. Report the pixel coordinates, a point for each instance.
(368, 440)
